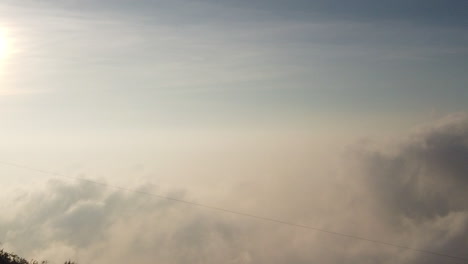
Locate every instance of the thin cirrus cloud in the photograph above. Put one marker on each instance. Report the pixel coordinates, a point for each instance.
(208, 47)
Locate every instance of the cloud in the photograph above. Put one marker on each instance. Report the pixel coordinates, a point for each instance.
(419, 11)
(414, 195)
(422, 187)
(429, 172)
(84, 217)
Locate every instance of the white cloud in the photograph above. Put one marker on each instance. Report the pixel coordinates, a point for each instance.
(413, 197)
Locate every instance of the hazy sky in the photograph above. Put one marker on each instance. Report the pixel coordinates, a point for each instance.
(88, 65)
(264, 106)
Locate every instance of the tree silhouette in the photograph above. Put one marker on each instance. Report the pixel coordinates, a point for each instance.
(10, 258)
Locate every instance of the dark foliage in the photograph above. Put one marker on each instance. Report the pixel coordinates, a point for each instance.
(10, 258)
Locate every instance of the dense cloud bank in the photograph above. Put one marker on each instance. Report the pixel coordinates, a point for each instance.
(414, 196)
(423, 187)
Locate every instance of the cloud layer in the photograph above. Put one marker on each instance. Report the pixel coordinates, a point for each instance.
(414, 196)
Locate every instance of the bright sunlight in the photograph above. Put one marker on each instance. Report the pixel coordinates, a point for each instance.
(3, 44)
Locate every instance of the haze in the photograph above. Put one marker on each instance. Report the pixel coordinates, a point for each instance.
(349, 116)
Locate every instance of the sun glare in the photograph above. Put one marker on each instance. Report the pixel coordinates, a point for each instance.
(3, 44)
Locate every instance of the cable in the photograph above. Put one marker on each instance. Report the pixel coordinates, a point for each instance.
(422, 251)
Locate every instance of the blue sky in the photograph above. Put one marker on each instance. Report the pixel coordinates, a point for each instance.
(153, 62)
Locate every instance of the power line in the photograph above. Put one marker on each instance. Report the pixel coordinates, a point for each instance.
(220, 209)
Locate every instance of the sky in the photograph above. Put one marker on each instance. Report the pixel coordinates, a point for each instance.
(345, 115)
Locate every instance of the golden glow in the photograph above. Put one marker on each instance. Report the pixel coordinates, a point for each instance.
(4, 51)
(3, 44)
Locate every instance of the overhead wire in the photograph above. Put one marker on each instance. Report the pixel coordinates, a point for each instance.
(254, 216)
